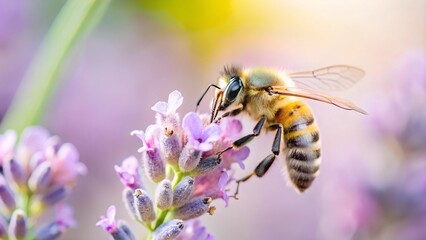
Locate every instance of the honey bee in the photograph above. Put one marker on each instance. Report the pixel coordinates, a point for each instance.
(274, 99)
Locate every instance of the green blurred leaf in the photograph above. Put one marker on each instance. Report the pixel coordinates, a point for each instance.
(75, 18)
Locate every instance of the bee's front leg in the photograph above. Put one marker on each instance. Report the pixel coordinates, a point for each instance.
(232, 113)
(247, 138)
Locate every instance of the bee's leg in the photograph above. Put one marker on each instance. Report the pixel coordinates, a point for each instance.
(202, 96)
(266, 163)
(234, 112)
(246, 139)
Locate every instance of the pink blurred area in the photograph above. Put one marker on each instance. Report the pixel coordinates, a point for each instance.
(139, 54)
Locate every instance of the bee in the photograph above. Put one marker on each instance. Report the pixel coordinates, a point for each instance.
(274, 99)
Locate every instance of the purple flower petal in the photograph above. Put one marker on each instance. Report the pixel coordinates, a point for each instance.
(128, 173)
(193, 125)
(160, 107)
(65, 217)
(34, 138)
(223, 181)
(7, 143)
(211, 133)
(68, 153)
(240, 155)
(108, 223)
(231, 127)
(205, 146)
(174, 102)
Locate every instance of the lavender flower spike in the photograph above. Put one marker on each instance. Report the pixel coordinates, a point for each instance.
(178, 158)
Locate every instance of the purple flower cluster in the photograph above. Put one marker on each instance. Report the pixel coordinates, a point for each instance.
(179, 157)
(390, 205)
(37, 173)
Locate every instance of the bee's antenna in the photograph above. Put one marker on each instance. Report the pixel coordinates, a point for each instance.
(202, 96)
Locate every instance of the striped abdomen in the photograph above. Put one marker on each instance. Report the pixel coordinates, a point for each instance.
(303, 147)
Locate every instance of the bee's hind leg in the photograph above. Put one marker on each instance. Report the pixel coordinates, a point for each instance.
(266, 163)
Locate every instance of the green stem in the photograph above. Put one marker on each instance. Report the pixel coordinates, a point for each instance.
(75, 18)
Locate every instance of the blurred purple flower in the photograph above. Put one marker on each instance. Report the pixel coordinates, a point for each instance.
(194, 230)
(406, 100)
(7, 144)
(43, 171)
(65, 217)
(128, 173)
(213, 185)
(200, 137)
(66, 165)
(391, 204)
(108, 222)
(231, 129)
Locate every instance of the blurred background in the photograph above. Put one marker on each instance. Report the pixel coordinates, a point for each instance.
(373, 175)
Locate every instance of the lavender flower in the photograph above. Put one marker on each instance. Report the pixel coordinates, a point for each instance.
(180, 158)
(7, 143)
(128, 173)
(39, 169)
(388, 205)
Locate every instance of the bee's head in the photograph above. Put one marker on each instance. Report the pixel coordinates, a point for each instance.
(232, 88)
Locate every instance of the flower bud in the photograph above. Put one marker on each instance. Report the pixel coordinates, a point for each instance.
(129, 201)
(41, 178)
(3, 227)
(119, 234)
(183, 191)
(153, 165)
(189, 158)
(55, 195)
(143, 206)
(50, 231)
(193, 209)
(170, 145)
(207, 165)
(14, 172)
(6, 195)
(169, 230)
(164, 195)
(122, 225)
(18, 225)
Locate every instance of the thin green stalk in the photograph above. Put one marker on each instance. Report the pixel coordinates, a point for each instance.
(75, 18)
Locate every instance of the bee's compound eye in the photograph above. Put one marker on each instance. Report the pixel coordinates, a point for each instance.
(233, 89)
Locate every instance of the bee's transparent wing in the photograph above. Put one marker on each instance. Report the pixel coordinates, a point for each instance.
(332, 78)
(310, 94)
